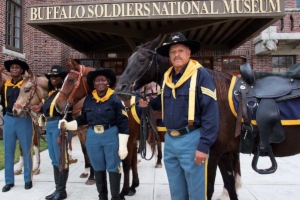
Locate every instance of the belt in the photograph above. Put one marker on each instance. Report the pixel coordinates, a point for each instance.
(48, 119)
(106, 126)
(181, 131)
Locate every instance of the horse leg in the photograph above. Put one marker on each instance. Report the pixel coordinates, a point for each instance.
(88, 168)
(70, 149)
(226, 168)
(159, 155)
(135, 176)
(126, 170)
(20, 164)
(36, 158)
(211, 171)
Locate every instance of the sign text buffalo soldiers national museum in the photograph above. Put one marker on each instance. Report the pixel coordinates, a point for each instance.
(152, 9)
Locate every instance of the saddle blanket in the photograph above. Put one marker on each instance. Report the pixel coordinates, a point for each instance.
(289, 109)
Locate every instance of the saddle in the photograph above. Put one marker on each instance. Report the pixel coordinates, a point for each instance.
(260, 96)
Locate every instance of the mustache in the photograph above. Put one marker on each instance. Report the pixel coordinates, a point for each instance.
(177, 58)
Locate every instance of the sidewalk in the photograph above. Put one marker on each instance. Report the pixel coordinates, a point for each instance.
(283, 185)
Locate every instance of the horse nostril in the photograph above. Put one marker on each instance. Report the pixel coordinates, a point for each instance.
(123, 87)
(15, 112)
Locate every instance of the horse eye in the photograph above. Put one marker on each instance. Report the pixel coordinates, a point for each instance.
(71, 80)
(26, 90)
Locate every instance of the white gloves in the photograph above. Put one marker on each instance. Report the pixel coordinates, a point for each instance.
(123, 139)
(71, 126)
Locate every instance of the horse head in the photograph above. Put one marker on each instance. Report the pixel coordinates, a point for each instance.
(143, 67)
(32, 91)
(75, 86)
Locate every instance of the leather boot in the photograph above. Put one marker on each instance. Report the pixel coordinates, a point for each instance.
(115, 179)
(56, 174)
(61, 190)
(101, 184)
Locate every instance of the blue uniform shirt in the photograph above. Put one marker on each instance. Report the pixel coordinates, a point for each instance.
(12, 95)
(104, 113)
(206, 108)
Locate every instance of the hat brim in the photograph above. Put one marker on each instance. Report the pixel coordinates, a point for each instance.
(193, 45)
(62, 75)
(23, 65)
(105, 72)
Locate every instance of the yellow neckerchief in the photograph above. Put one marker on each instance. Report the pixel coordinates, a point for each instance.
(189, 71)
(52, 91)
(109, 92)
(8, 83)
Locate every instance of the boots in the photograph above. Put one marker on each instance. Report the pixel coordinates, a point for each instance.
(101, 184)
(61, 192)
(115, 179)
(56, 174)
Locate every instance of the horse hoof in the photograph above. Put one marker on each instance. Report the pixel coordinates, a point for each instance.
(18, 172)
(72, 161)
(83, 175)
(158, 166)
(131, 193)
(90, 182)
(36, 171)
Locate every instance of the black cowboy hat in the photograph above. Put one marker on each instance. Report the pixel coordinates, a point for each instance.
(56, 70)
(178, 38)
(22, 64)
(104, 72)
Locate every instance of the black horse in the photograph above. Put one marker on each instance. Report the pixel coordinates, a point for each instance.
(145, 65)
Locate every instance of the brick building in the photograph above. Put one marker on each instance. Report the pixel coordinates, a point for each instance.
(270, 45)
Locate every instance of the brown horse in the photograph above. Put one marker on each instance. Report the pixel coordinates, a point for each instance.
(140, 71)
(77, 79)
(32, 91)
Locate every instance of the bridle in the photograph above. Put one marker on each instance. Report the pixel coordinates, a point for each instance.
(33, 90)
(76, 86)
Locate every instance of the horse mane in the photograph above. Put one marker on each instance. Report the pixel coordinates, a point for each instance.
(220, 80)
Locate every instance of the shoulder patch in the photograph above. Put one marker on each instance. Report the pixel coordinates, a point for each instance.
(209, 93)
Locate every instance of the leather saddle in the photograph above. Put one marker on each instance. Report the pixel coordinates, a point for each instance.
(261, 95)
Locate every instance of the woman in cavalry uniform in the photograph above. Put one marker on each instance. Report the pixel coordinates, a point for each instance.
(107, 135)
(52, 117)
(15, 128)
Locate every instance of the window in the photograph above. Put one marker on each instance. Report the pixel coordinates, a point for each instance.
(298, 3)
(85, 62)
(282, 63)
(116, 65)
(232, 64)
(13, 24)
(206, 62)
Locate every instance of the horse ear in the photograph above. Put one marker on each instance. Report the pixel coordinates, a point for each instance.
(30, 74)
(75, 64)
(1, 68)
(155, 42)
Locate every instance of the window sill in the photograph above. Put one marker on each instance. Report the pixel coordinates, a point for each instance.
(13, 53)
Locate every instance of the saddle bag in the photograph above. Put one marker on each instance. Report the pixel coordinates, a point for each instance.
(247, 138)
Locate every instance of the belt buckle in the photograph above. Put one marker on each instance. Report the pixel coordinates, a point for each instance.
(99, 129)
(174, 133)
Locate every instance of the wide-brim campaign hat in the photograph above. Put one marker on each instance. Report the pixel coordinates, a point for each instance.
(56, 70)
(178, 38)
(22, 64)
(104, 72)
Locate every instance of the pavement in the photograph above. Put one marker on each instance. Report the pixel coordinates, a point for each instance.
(284, 184)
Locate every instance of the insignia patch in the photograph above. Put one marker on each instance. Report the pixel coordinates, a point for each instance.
(55, 70)
(175, 37)
(209, 93)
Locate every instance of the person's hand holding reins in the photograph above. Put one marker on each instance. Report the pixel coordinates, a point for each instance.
(143, 103)
(200, 157)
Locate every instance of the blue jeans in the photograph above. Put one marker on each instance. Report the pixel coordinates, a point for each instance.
(52, 133)
(187, 180)
(17, 128)
(103, 149)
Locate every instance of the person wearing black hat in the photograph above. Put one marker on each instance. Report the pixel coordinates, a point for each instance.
(52, 117)
(191, 116)
(15, 128)
(107, 135)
